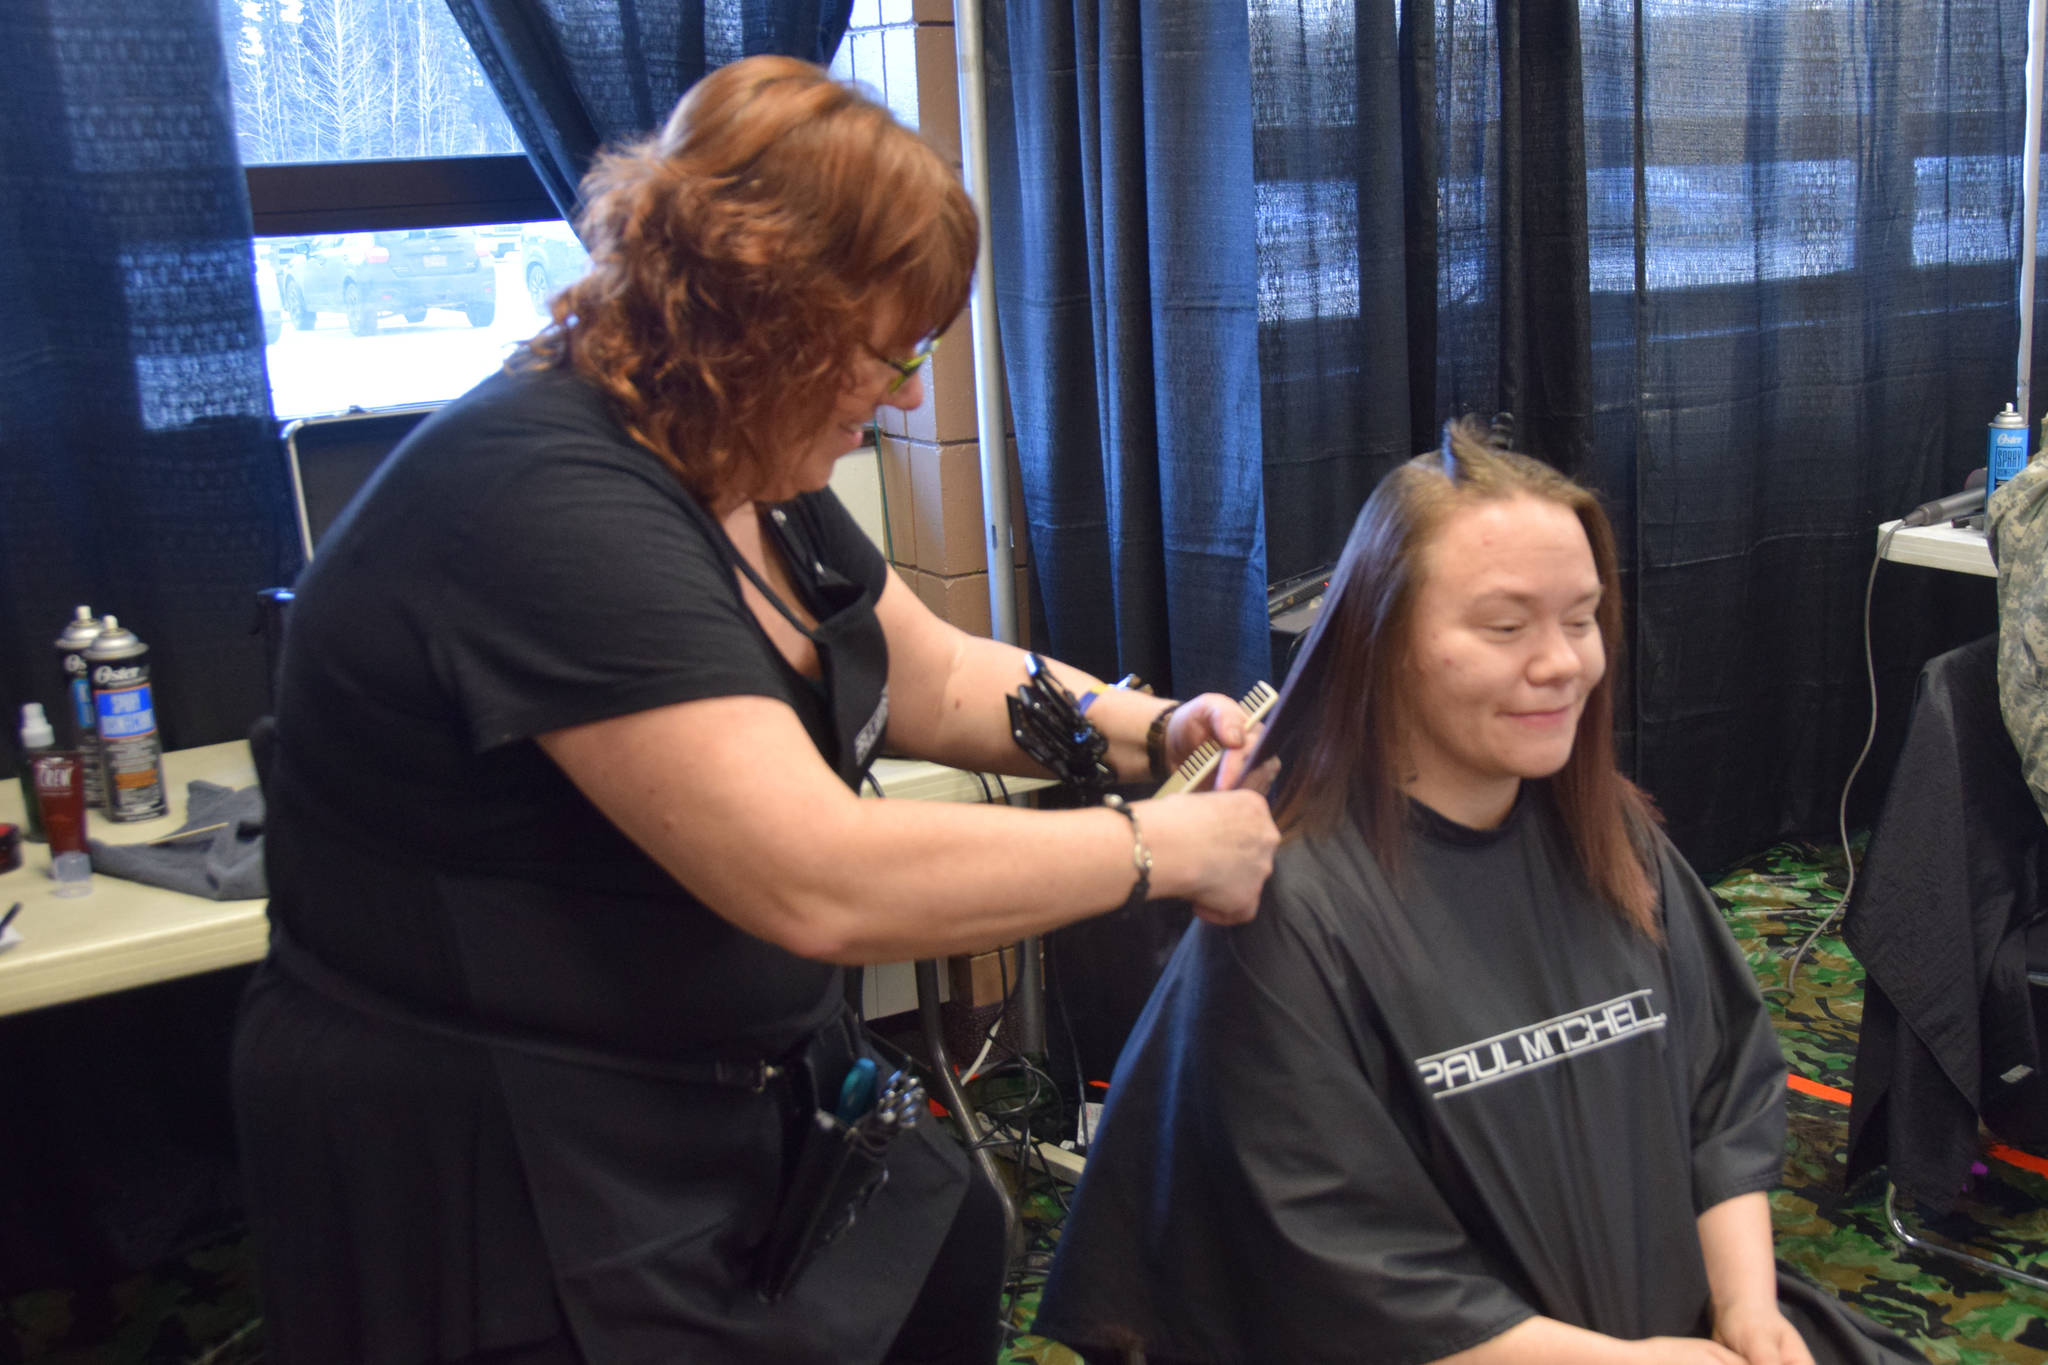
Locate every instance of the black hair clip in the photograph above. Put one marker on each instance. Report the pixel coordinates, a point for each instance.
(1450, 460)
(1048, 726)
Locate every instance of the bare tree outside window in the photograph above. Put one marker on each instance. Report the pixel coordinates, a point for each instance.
(353, 80)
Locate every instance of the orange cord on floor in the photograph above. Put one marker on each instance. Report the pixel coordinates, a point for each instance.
(2011, 1156)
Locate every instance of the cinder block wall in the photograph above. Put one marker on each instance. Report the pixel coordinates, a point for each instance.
(930, 459)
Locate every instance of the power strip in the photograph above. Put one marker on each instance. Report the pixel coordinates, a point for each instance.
(1061, 1162)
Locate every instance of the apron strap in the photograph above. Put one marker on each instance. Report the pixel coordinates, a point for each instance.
(800, 558)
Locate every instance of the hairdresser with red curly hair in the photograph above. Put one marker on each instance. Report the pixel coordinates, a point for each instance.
(566, 850)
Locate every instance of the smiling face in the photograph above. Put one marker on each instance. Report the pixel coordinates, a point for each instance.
(1504, 649)
(868, 387)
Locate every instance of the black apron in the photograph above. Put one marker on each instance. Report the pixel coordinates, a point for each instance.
(653, 1181)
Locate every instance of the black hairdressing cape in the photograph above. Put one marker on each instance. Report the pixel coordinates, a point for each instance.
(1389, 1120)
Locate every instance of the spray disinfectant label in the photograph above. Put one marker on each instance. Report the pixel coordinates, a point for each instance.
(2007, 454)
(129, 746)
(2006, 458)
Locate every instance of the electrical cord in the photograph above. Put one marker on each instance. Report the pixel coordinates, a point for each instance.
(1003, 969)
(988, 1040)
(1007, 1126)
(1059, 999)
(1010, 1135)
(1842, 811)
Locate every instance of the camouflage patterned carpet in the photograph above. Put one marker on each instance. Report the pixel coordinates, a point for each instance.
(201, 1309)
(1953, 1314)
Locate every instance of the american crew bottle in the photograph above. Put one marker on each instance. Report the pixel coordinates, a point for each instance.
(36, 738)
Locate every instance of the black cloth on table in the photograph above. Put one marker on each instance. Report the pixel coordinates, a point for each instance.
(1410, 1112)
(1949, 887)
(519, 565)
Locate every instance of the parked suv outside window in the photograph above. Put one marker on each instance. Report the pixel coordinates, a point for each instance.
(549, 257)
(365, 276)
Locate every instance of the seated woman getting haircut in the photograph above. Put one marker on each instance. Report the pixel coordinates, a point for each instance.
(1487, 1079)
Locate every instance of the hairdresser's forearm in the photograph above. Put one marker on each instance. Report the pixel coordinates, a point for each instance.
(731, 798)
(978, 735)
(947, 691)
(891, 880)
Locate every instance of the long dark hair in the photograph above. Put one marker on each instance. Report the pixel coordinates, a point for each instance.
(1337, 726)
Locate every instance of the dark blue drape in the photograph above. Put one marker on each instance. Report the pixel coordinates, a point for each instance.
(575, 74)
(139, 467)
(1126, 270)
(1805, 243)
(1749, 271)
(139, 473)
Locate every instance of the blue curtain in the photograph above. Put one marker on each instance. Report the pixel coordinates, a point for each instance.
(575, 74)
(139, 467)
(1127, 282)
(1805, 226)
(1422, 244)
(1750, 271)
(139, 473)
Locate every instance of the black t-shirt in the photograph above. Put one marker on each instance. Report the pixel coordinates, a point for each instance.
(518, 566)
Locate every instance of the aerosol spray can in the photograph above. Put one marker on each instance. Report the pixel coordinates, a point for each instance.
(80, 631)
(2008, 453)
(131, 751)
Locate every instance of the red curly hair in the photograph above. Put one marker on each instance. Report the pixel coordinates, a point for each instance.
(739, 259)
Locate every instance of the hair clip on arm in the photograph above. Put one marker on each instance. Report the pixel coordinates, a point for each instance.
(1048, 726)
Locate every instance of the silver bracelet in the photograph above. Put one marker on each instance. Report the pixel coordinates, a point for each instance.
(1141, 856)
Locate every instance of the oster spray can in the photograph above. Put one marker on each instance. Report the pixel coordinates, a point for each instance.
(77, 712)
(131, 751)
(2007, 455)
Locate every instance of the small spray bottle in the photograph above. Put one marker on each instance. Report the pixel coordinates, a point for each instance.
(36, 738)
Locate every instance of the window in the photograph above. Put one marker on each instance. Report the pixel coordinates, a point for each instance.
(378, 319)
(404, 246)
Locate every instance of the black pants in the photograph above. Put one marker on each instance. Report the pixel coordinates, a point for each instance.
(953, 1321)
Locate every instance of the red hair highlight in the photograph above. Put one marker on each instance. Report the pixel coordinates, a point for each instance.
(739, 260)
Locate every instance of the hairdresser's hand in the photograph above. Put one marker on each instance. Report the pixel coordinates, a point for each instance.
(1234, 773)
(1213, 848)
(1759, 1333)
(1198, 720)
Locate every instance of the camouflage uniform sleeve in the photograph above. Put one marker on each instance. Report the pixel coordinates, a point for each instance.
(2018, 522)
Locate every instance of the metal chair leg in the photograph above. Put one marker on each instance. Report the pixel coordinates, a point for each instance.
(956, 1101)
(1917, 1243)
